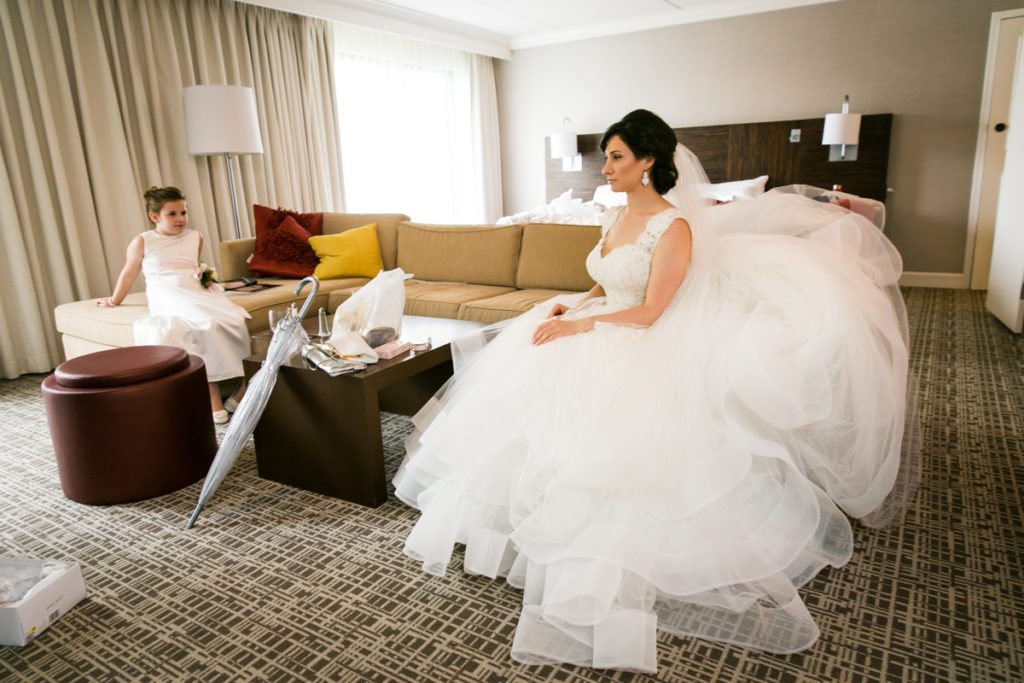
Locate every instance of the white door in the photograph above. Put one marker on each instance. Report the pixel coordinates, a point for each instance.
(995, 143)
(1006, 276)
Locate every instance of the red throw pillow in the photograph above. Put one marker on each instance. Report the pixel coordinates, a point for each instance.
(282, 242)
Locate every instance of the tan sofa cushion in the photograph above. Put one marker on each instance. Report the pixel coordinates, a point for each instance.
(259, 303)
(504, 306)
(108, 326)
(554, 256)
(387, 230)
(432, 300)
(484, 254)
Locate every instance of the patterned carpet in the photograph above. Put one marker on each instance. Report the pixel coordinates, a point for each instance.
(279, 584)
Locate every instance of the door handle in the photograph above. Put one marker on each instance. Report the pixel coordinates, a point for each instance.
(1000, 127)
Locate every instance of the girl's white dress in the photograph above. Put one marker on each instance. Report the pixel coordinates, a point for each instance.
(689, 476)
(202, 321)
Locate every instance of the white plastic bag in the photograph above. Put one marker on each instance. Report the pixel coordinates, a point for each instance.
(375, 311)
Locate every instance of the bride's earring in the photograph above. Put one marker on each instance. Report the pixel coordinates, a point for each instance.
(646, 180)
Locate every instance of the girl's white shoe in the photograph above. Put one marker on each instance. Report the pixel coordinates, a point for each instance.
(220, 417)
(231, 405)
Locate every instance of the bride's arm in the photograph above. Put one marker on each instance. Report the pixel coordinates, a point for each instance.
(668, 268)
(559, 309)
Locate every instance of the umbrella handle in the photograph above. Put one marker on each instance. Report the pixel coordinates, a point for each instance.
(312, 294)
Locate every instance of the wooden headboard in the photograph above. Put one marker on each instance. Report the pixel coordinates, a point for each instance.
(747, 150)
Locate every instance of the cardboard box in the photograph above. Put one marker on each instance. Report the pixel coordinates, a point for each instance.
(25, 619)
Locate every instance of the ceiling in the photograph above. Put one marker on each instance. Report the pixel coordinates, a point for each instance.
(496, 27)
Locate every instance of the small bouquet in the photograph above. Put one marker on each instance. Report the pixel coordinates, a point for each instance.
(206, 275)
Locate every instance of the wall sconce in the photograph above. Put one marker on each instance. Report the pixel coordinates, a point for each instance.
(842, 132)
(564, 147)
(222, 119)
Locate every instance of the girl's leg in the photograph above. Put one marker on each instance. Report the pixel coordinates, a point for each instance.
(239, 392)
(215, 402)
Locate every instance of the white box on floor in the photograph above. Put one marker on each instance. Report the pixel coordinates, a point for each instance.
(23, 620)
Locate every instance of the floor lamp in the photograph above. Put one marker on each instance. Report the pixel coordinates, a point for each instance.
(221, 119)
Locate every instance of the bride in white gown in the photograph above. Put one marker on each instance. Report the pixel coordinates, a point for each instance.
(680, 447)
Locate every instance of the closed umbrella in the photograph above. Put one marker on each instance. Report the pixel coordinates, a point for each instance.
(288, 339)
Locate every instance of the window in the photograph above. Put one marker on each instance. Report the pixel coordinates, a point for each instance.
(405, 119)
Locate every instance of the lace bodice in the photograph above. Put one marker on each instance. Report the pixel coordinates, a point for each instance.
(624, 271)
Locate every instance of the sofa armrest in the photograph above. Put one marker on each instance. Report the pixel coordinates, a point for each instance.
(233, 256)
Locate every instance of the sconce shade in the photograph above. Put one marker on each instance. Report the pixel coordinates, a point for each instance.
(221, 119)
(563, 144)
(841, 129)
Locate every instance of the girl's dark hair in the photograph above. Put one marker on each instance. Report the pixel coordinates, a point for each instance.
(647, 135)
(156, 197)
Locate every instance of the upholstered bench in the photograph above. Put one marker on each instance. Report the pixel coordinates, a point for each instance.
(129, 424)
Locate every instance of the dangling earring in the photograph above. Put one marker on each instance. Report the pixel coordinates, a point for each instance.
(646, 180)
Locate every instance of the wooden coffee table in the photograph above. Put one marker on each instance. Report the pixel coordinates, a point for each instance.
(322, 433)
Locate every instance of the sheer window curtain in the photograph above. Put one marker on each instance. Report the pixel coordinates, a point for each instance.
(419, 128)
(91, 113)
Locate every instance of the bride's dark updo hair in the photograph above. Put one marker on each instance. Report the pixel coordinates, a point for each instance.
(647, 135)
(156, 197)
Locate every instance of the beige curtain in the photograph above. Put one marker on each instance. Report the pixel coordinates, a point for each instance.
(91, 113)
(486, 135)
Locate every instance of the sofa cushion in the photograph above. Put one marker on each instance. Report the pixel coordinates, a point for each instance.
(352, 253)
(427, 299)
(282, 242)
(503, 306)
(387, 230)
(555, 256)
(484, 254)
(107, 326)
(258, 304)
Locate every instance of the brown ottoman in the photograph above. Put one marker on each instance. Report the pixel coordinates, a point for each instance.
(129, 424)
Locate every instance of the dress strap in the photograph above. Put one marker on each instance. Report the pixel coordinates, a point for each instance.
(656, 227)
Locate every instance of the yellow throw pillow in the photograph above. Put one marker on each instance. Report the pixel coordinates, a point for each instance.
(353, 253)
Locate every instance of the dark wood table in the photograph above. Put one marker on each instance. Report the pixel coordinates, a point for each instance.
(322, 433)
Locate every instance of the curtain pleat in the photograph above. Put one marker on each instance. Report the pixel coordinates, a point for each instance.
(92, 113)
(486, 145)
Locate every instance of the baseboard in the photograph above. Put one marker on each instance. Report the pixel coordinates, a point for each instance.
(934, 280)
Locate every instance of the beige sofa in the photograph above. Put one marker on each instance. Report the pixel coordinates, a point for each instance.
(485, 273)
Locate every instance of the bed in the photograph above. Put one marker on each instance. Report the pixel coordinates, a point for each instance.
(742, 161)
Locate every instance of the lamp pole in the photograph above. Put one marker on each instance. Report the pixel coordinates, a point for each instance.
(234, 200)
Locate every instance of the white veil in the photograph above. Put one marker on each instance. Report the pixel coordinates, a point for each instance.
(685, 195)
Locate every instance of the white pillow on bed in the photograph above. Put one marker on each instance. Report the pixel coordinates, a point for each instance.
(737, 189)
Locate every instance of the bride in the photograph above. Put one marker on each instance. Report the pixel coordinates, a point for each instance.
(679, 447)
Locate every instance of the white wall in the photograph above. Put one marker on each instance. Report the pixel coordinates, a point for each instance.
(922, 60)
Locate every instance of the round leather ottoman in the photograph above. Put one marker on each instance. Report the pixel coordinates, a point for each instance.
(129, 424)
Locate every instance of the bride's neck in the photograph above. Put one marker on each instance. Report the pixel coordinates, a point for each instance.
(645, 200)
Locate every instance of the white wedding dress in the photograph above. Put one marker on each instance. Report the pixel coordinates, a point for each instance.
(689, 476)
(182, 313)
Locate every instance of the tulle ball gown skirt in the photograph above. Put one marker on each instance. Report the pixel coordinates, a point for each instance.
(688, 477)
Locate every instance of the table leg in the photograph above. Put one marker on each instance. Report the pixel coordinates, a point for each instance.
(323, 434)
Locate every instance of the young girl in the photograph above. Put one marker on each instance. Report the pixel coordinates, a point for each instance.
(183, 312)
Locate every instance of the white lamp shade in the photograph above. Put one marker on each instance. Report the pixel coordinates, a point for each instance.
(563, 144)
(841, 129)
(221, 119)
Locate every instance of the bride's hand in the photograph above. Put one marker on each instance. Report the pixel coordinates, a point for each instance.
(558, 309)
(552, 329)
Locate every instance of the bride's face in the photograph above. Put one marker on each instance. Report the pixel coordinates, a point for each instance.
(621, 167)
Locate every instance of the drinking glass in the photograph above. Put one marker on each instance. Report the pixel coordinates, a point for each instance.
(275, 315)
